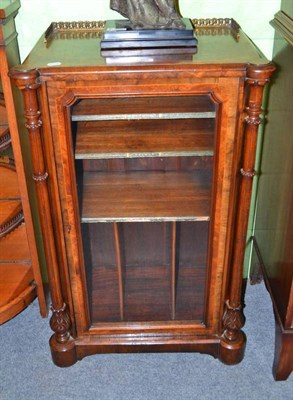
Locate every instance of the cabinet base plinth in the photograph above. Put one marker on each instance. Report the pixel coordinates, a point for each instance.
(67, 354)
(63, 354)
(232, 352)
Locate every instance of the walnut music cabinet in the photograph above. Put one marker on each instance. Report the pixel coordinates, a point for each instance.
(143, 173)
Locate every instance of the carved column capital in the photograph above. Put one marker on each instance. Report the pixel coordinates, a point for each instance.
(259, 75)
(257, 81)
(25, 79)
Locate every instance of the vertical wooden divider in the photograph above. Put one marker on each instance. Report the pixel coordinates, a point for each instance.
(119, 270)
(173, 270)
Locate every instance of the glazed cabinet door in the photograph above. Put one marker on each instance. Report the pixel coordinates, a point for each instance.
(144, 169)
(146, 182)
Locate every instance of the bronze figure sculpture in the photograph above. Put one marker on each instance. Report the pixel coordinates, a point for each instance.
(149, 14)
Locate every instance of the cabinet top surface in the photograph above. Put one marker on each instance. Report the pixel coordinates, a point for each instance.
(68, 50)
(7, 7)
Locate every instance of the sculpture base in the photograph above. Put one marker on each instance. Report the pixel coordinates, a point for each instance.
(122, 44)
(159, 59)
(120, 30)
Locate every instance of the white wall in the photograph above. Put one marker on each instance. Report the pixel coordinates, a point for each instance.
(253, 16)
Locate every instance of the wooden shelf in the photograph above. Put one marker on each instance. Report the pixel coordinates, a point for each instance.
(145, 196)
(136, 138)
(144, 108)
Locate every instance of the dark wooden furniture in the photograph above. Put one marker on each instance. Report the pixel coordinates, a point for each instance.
(20, 276)
(274, 217)
(143, 173)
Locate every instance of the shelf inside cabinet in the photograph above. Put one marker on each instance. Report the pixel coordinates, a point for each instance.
(136, 138)
(145, 196)
(171, 107)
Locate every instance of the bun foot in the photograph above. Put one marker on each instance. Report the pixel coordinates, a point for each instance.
(232, 352)
(63, 354)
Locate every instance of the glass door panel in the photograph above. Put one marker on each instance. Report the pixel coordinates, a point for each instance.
(144, 171)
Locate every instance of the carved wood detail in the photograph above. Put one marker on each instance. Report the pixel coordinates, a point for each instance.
(60, 320)
(257, 78)
(39, 178)
(248, 174)
(233, 321)
(60, 323)
(29, 84)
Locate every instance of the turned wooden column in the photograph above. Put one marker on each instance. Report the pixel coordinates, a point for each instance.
(233, 338)
(60, 342)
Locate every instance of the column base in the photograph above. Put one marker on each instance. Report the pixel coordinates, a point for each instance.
(232, 352)
(63, 354)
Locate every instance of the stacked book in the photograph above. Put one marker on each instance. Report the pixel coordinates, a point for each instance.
(121, 44)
